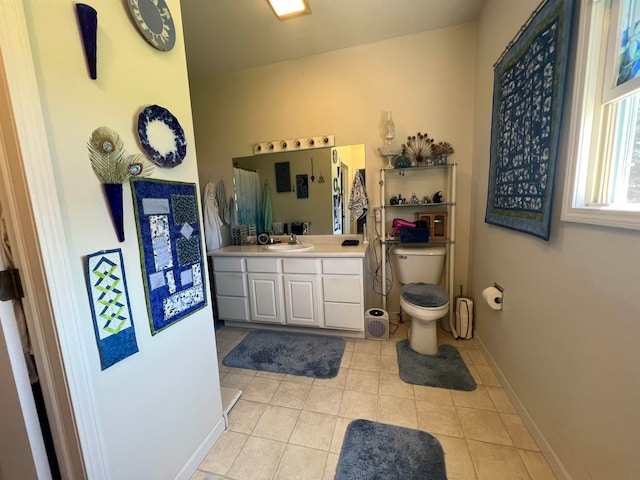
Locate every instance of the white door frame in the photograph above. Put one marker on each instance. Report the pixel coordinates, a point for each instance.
(32, 210)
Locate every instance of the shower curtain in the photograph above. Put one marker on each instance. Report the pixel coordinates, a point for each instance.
(248, 198)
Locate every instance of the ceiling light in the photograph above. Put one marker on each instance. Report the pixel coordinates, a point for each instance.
(285, 9)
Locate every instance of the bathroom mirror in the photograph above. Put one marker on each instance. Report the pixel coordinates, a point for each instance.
(320, 203)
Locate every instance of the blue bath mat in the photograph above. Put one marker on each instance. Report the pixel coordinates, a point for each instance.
(316, 356)
(373, 450)
(444, 370)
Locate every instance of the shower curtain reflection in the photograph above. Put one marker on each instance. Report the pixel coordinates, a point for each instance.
(247, 186)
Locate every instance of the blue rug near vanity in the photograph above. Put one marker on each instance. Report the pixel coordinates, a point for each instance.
(373, 450)
(316, 356)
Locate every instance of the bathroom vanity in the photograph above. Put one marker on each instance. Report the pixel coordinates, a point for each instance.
(320, 288)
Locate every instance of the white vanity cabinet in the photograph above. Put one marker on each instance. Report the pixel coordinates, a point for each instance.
(265, 289)
(302, 291)
(296, 291)
(231, 288)
(342, 291)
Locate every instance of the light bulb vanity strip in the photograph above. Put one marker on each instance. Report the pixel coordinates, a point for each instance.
(304, 143)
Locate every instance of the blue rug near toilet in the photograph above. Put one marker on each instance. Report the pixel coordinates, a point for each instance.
(444, 370)
(316, 356)
(373, 450)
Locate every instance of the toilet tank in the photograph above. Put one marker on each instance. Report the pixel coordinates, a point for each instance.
(419, 264)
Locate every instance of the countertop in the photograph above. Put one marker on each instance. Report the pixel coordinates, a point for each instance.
(319, 250)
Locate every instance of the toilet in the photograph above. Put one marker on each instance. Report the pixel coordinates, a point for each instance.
(419, 270)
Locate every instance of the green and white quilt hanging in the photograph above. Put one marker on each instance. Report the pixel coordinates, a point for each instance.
(112, 320)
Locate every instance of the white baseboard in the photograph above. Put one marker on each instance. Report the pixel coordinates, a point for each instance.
(196, 459)
(548, 452)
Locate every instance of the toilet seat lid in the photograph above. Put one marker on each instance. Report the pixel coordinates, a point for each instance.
(426, 295)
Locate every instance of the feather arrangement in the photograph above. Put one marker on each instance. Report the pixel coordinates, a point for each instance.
(442, 148)
(109, 160)
(419, 147)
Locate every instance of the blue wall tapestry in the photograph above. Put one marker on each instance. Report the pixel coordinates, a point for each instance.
(528, 98)
(170, 248)
(110, 308)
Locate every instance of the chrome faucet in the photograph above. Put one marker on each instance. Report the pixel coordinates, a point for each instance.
(293, 240)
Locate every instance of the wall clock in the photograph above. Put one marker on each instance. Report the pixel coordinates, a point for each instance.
(154, 21)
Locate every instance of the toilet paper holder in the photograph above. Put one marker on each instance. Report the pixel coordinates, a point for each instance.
(494, 296)
(499, 300)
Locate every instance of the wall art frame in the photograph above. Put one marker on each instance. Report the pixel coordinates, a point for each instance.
(302, 185)
(168, 224)
(528, 100)
(110, 307)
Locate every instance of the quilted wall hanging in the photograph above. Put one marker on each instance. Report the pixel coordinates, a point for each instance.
(110, 308)
(168, 226)
(528, 98)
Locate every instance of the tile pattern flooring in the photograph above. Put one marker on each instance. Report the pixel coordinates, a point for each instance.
(289, 427)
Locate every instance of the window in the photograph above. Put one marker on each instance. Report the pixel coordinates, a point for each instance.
(603, 181)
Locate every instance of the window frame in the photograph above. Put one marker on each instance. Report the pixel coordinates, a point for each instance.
(585, 143)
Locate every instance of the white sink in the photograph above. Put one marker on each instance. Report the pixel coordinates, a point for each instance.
(285, 247)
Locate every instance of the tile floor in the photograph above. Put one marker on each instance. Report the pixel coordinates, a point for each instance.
(290, 427)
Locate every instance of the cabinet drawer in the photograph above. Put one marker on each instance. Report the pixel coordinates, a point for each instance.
(263, 265)
(228, 264)
(349, 316)
(342, 266)
(233, 308)
(300, 265)
(341, 289)
(231, 284)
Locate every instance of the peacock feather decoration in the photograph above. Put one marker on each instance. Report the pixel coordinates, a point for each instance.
(109, 160)
(419, 147)
(114, 167)
(442, 148)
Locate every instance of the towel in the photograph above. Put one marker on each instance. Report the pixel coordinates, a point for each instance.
(223, 213)
(223, 207)
(267, 212)
(212, 222)
(233, 212)
(358, 202)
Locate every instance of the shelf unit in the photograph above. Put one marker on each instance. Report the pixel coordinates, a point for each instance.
(421, 181)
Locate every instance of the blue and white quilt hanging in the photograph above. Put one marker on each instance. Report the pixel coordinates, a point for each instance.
(170, 248)
(528, 99)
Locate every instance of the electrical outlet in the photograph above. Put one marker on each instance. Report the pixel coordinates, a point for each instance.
(378, 215)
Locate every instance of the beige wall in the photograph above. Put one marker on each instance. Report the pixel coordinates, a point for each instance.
(567, 339)
(157, 407)
(426, 80)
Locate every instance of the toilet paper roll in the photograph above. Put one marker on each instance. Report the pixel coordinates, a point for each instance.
(493, 297)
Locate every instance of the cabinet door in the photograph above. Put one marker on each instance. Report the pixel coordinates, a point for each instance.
(344, 316)
(265, 297)
(302, 300)
(343, 307)
(342, 288)
(230, 284)
(231, 296)
(233, 308)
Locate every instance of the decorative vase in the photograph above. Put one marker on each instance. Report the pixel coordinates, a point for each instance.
(113, 192)
(402, 162)
(88, 20)
(389, 128)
